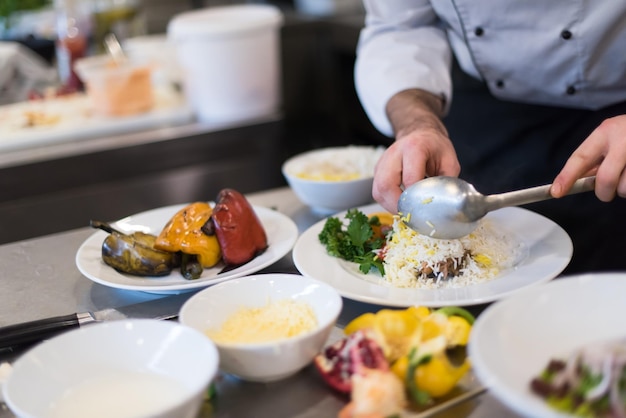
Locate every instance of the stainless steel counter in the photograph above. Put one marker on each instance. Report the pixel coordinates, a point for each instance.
(38, 278)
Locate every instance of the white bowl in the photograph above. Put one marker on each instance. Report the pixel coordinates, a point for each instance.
(325, 195)
(513, 340)
(127, 368)
(264, 362)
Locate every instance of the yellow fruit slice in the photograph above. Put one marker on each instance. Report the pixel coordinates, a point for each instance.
(433, 326)
(399, 331)
(438, 377)
(420, 312)
(400, 366)
(360, 322)
(457, 331)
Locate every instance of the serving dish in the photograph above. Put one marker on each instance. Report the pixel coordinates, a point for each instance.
(333, 179)
(548, 251)
(281, 232)
(273, 360)
(514, 339)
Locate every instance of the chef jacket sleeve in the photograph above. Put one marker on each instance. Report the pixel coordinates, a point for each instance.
(401, 46)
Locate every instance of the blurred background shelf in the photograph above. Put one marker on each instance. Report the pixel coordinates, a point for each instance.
(49, 188)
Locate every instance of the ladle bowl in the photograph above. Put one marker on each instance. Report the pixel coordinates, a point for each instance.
(448, 208)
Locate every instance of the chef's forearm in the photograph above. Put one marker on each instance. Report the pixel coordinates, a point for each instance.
(415, 109)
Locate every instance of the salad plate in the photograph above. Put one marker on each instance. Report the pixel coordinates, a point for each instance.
(281, 233)
(513, 340)
(547, 251)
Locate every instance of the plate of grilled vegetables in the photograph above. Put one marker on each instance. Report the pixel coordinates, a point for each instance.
(183, 247)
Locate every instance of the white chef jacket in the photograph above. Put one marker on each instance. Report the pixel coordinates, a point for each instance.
(569, 53)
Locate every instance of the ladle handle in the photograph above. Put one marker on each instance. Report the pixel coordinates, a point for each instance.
(534, 194)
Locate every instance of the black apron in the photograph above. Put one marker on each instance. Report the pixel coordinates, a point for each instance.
(504, 146)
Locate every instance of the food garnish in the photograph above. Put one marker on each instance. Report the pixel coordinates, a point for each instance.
(415, 344)
(355, 241)
(591, 382)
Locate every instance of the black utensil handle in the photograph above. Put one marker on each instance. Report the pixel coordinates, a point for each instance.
(35, 331)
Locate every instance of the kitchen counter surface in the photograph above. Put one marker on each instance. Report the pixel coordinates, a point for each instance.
(40, 279)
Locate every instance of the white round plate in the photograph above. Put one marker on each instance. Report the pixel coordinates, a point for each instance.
(513, 339)
(281, 232)
(549, 250)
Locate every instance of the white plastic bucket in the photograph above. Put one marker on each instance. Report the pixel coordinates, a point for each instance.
(229, 57)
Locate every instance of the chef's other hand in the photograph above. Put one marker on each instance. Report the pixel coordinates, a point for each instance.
(603, 153)
(422, 147)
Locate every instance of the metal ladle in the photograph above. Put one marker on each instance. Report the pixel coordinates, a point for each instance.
(449, 208)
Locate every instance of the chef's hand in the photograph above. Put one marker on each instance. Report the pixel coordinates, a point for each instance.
(422, 147)
(603, 153)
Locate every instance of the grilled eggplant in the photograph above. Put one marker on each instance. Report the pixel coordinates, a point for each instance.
(135, 253)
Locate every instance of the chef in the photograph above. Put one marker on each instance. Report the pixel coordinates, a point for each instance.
(505, 95)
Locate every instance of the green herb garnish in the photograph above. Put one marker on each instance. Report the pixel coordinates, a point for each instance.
(353, 242)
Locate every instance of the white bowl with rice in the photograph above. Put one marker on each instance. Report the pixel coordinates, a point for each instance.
(334, 179)
(266, 327)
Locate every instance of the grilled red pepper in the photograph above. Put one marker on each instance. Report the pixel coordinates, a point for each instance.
(238, 229)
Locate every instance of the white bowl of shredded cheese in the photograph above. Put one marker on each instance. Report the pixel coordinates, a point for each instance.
(333, 179)
(266, 327)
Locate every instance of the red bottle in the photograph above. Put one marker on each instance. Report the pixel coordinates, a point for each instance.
(72, 40)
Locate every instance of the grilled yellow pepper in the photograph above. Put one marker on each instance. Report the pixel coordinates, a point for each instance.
(184, 232)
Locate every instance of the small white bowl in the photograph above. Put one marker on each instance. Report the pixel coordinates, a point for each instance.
(328, 194)
(514, 339)
(126, 368)
(264, 362)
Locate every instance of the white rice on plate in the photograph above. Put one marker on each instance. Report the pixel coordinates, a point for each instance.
(413, 260)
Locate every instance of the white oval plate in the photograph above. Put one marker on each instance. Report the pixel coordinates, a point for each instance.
(549, 250)
(281, 232)
(513, 339)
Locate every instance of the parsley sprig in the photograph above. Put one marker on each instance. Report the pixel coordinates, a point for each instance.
(354, 242)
